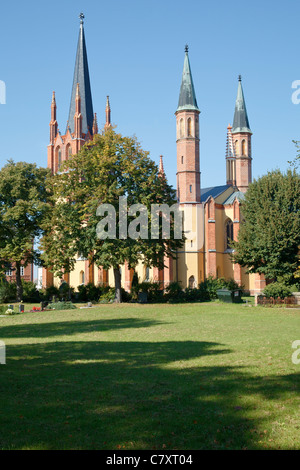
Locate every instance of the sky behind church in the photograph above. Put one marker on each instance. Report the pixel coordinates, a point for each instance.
(135, 54)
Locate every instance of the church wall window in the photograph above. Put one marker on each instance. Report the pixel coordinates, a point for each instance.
(228, 234)
(181, 129)
(191, 282)
(243, 147)
(189, 127)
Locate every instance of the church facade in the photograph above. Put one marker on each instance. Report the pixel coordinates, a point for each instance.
(211, 215)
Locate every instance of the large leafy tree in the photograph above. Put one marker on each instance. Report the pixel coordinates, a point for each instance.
(269, 236)
(24, 201)
(109, 167)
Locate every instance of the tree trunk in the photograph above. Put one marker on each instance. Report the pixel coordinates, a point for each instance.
(117, 274)
(19, 282)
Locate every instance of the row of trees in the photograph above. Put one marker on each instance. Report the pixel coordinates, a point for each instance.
(61, 211)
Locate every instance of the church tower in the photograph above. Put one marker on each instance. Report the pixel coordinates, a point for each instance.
(187, 125)
(82, 123)
(240, 158)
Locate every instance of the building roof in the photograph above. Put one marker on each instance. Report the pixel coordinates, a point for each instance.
(236, 195)
(214, 191)
(240, 120)
(187, 97)
(81, 76)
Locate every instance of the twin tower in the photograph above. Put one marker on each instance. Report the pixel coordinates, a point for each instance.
(82, 126)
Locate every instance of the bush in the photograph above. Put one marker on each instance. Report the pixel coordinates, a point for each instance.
(49, 292)
(61, 306)
(211, 285)
(277, 289)
(153, 290)
(108, 295)
(196, 295)
(8, 291)
(30, 292)
(174, 292)
(89, 292)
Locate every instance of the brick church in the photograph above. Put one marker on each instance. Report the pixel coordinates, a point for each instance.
(211, 215)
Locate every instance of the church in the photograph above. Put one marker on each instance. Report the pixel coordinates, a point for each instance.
(211, 215)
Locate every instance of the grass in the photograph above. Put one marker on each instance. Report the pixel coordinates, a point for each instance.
(192, 376)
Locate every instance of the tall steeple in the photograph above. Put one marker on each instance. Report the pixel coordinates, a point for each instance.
(241, 135)
(240, 120)
(107, 114)
(81, 76)
(187, 96)
(187, 123)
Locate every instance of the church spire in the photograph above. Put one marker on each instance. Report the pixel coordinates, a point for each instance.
(161, 170)
(187, 96)
(107, 114)
(240, 121)
(81, 77)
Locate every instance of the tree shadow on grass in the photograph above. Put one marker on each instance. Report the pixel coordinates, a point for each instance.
(52, 329)
(142, 395)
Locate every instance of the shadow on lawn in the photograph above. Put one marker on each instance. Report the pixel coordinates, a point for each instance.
(101, 395)
(46, 330)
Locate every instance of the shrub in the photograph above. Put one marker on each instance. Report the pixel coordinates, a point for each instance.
(108, 295)
(89, 292)
(30, 292)
(61, 306)
(49, 292)
(211, 285)
(277, 289)
(174, 292)
(196, 295)
(153, 290)
(8, 291)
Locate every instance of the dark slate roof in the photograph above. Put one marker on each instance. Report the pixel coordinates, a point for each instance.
(240, 120)
(81, 76)
(187, 96)
(230, 200)
(214, 191)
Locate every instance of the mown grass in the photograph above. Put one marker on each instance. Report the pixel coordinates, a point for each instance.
(193, 376)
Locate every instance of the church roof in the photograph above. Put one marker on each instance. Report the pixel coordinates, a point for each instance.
(240, 120)
(214, 191)
(81, 76)
(187, 97)
(236, 195)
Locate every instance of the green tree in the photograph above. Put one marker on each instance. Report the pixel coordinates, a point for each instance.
(269, 236)
(109, 167)
(24, 202)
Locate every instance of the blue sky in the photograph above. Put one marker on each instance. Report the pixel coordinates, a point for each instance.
(136, 53)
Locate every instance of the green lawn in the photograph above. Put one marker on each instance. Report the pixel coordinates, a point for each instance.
(195, 376)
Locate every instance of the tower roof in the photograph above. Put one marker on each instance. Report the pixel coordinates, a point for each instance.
(240, 120)
(82, 77)
(187, 97)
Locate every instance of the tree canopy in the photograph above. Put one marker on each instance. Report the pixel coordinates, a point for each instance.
(269, 236)
(24, 201)
(107, 168)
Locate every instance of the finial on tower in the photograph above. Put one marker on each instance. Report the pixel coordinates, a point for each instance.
(81, 16)
(186, 48)
(240, 78)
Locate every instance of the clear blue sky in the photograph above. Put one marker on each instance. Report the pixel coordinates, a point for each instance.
(136, 53)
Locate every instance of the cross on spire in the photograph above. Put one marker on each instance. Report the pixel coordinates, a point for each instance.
(81, 16)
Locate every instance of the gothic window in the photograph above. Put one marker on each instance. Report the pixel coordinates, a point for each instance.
(228, 234)
(236, 145)
(181, 128)
(147, 276)
(197, 128)
(189, 127)
(81, 278)
(68, 151)
(191, 188)
(243, 147)
(192, 282)
(58, 156)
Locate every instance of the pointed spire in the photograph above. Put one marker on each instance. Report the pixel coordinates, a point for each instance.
(161, 171)
(187, 96)
(107, 114)
(81, 77)
(95, 125)
(230, 151)
(240, 121)
(53, 122)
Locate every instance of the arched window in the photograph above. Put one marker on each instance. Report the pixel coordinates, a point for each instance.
(182, 159)
(191, 188)
(58, 153)
(192, 282)
(236, 145)
(81, 278)
(228, 234)
(243, 147)
(68, 151)
(147, 276)
(189, 127)
(181, 128)
(197, 128)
